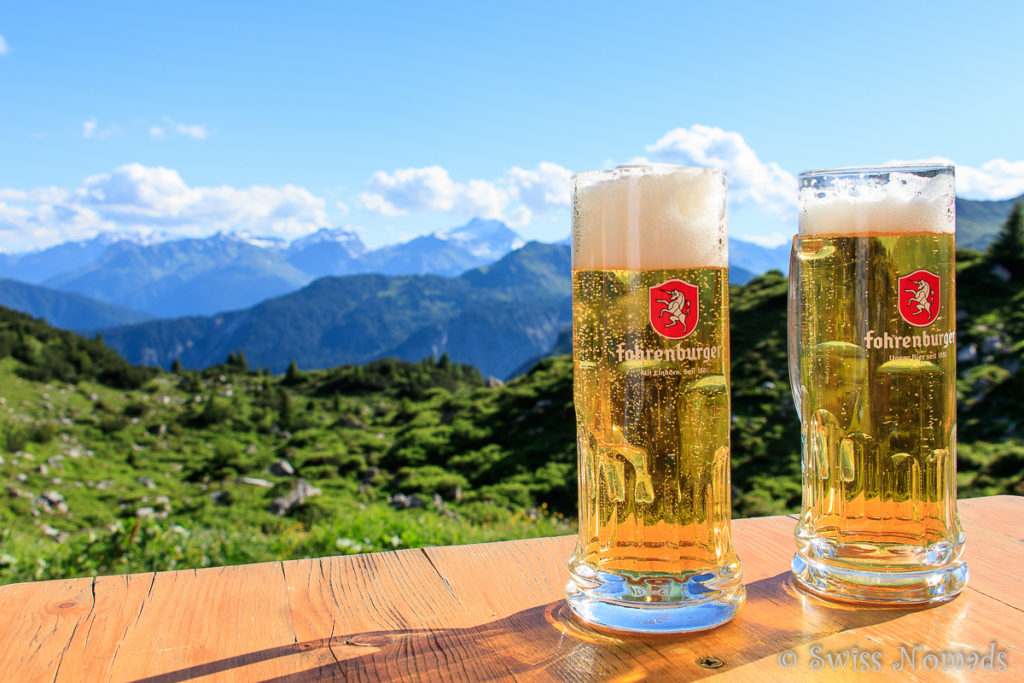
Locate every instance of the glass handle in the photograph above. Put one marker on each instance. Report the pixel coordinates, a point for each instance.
(794, 323)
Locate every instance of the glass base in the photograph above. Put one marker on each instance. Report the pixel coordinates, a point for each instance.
(880, 587)
(655, 603)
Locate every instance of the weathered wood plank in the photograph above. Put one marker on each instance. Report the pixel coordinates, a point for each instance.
(225, 620)
(485, 612)
(37, 621)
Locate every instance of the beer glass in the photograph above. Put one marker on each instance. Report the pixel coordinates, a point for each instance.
(872, 353)
(651, 391)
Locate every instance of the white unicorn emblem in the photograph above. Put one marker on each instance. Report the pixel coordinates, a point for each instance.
(677, 308)
(921, 296)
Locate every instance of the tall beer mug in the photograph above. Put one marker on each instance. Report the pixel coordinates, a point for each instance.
(651, 390)
(872, 353)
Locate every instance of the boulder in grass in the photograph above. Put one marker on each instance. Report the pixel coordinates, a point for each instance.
(254, 481)
(301, 491)
(282, 468)
(400, 501)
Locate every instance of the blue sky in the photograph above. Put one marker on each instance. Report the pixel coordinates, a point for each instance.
(398, 119)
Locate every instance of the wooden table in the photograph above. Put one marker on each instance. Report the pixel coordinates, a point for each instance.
(495, 611)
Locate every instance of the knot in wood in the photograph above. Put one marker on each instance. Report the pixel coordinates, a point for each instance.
(708, 662)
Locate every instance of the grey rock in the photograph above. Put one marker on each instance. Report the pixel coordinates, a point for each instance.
(350, 422)
(301, 491)
(52, 497)
(282, 468)
(991, 344)
(400, 501)
(967, 354)
(145, 512)
(254, 481)
(1001, 272)
(147, 482)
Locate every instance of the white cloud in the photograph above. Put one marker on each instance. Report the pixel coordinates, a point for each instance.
(194, 131)
(43, 195)
(410, 189)
(4, 47)
(751, 181)
(772, 239)
(343, 208)
(514, 198)
(545, 187)
(92, 131)
(153, 202)
(375, 203)
(996, 179)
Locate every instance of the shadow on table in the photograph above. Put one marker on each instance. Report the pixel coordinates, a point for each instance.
(547, 641)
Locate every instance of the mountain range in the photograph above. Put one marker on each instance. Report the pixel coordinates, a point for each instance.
(473, 292)
(203, 276)
(493, 317)
(227, 272)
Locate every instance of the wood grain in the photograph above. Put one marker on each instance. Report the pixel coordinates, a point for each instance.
(493, 612)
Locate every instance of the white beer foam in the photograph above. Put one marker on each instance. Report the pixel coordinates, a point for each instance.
(908, 203)
(650, 217)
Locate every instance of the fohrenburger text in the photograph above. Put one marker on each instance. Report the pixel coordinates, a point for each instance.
(922, 340)
(678, 353)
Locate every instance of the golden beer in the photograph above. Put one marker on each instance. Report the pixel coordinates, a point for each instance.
(873, 368)
(651, 390)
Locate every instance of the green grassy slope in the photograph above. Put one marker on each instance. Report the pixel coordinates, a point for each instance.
(112, 468)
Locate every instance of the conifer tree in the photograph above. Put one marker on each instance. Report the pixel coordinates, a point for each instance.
(284, 408)
(1008, 248)
(292, 376)
(176, 366)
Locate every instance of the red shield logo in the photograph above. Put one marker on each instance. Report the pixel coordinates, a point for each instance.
(674, 308)
(920, 297)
